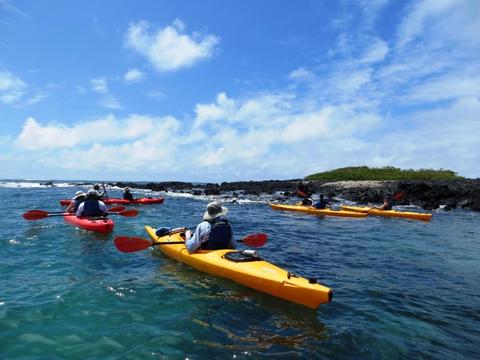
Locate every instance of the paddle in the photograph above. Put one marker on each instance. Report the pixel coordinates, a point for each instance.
(130, 244)
(105, 191)
(39, 214)
(114, 209)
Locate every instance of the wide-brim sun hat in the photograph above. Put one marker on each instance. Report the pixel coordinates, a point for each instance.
(78, 194)
(214, 210)
(92, 192)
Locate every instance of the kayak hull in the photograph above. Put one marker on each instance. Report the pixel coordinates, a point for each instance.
(388, 213)
(101, 225)
(259, 275)
(109, 201)
(314, 211)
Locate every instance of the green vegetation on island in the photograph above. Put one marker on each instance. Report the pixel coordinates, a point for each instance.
(384, 173)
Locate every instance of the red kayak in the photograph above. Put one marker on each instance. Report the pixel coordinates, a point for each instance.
(108, 201)
(100, 225)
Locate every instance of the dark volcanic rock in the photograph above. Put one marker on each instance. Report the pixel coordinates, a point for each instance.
(463, 193)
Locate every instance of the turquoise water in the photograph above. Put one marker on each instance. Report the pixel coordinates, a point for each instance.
(403, 288)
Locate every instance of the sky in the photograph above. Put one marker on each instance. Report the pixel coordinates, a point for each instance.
(213, 90)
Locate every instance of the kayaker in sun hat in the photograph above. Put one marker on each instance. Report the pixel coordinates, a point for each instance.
(213, 233)
(92, 206)
(127, 195)
(76, 201)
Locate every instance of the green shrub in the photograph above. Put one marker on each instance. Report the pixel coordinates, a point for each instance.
(384, 173)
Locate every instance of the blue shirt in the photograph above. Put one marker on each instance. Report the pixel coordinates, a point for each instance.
(201, 234)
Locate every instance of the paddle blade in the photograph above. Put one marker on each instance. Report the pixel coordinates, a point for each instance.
(130, 244)
(128, 213)
(301, 194)
(116, 209)
(35, 215)
(255, 240)
(399, 195)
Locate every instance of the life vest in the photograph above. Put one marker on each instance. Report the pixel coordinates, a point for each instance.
(320, 204)
(127, 196)
(220, 235)
(91, 207)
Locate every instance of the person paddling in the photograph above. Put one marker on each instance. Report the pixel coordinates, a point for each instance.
(213, 233)
(387, 204)
(304, 192)
(92, 206)
(102, 194)
(127, 195)
(76, 201)
(322, 203)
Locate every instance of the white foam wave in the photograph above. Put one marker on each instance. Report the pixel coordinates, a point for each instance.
(25, 184)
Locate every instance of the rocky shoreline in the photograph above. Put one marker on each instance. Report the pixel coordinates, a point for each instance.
(429, 195)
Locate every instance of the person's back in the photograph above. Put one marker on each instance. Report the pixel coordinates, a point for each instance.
(321, 203)
(92, 207)
(127, 195)
(213, 233)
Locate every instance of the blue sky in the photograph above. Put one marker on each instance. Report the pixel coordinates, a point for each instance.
(236, 90)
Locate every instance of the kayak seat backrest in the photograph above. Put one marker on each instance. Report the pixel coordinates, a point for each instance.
(219, 237)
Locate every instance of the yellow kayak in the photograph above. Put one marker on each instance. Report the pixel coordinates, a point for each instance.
(388, 213)
(311, 210)
(259, 274)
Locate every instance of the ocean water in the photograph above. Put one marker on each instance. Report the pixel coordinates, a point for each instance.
(403, 289)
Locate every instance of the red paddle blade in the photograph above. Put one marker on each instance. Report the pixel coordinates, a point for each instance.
(130, 244)
(116, 209)
(35, 215)
(255, 240)
(128, 213)
(399, 195)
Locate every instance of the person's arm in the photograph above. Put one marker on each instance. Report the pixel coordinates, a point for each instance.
(194, 243)
(80, 210)
(233, 243)
(70, 207)
(103, 207)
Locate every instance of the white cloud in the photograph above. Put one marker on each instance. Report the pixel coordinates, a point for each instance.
(37, 98)
(133, 75)
(445, 19)
(108, 100)
(12, 87)
(52, 136)
(302, 74)
(155, 94)
(167, 48)
(8, 6)
(376, 52)
(99, 85)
